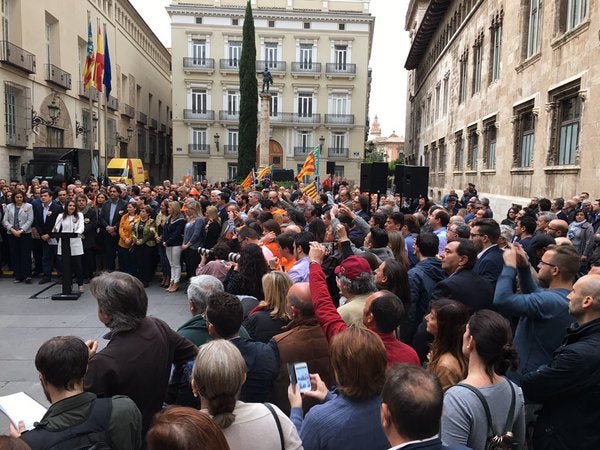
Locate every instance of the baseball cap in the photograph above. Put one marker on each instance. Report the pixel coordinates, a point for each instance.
(352, 267)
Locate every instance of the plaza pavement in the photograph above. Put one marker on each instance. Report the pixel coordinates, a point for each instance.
(26, 323)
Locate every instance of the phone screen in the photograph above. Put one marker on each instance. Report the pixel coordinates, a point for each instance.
(302, 376)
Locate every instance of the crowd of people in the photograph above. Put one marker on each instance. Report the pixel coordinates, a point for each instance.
(404, 313)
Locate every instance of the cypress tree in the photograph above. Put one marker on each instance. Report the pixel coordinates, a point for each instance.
(248, 130)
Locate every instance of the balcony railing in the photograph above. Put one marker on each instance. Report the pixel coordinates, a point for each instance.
(58, 76)
(273, 66)
(229, 116)
(302, 151)
(16, 56)
(230, 151)
(112, 103)
(229, 64)
(343, 69)
(163, 128)
(191, 64)
(338, 153)
(154, 124)
(198, 116)
(83, 92)
(202, 149)
(306, 67)
(286, 118)
(142, 118)
(340, 119)
(128, 110)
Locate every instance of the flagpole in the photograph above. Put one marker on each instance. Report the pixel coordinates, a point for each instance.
(89, 129)
(105, 113)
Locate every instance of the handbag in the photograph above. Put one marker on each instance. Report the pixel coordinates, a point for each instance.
(272, 411)
(503, 441)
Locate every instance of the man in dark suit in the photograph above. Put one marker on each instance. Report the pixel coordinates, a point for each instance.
(45, 211)
(484, 235)
(463, 284)
(110, 217)
(411, 409)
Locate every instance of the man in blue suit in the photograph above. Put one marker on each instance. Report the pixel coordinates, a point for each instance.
(484, 235)
(411, 409)
(45, 211)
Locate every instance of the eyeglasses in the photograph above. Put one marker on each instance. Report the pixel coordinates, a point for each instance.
(547, 264)
(477, 234)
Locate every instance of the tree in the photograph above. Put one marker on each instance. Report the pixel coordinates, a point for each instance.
(248, 98)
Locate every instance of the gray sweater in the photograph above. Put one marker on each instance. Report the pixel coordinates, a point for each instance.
(464, 421)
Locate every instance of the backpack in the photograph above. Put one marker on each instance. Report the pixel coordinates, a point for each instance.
(495, 441)
(91, 434)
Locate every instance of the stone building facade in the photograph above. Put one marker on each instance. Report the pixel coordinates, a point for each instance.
(501, 94)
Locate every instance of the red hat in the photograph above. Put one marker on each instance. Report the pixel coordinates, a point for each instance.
(352, 267)
(193, 191)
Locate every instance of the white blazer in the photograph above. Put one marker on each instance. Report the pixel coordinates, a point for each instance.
(70, 225)
(25, 217)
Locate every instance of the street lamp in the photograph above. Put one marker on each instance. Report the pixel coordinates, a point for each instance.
(129, 135)
(53, 113)
(321, 142)
(80, 129)
(216, 138)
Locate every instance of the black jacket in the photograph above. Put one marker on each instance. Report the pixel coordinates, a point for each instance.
(467, 287)
(569, 390)
(490, 265)
(45, 227)
(104, 218)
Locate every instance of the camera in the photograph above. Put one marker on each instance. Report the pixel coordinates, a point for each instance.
(233, 257)
(205, 251)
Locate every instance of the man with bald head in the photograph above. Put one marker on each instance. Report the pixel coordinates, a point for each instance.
(302, 341)
(557, 228)
(569, 387)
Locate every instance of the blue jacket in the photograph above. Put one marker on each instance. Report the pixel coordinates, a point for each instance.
(490, 264)
(422, 279)
(543, 318)
(263, 367)
(173, 231)
(569, 390)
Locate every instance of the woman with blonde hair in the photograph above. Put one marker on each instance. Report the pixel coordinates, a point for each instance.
(217, 378)
(172, 239)
(269, 317)
(126, 239)
(396, 243)
(212, 229)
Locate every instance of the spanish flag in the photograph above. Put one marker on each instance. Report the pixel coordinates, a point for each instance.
(262, 173)
(311, 191)
(310, 165)
(99, 64)
(88, 68)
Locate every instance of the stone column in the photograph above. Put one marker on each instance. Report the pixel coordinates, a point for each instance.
(264, 130)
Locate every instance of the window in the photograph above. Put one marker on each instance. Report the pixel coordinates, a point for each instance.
(233, 139)
(17, 113)
(305, 104)
(234, 53)
(437, 101)
(271, 56)
(477, 60)
(341, 56)
(489, 150)
(341, 26)
(274, 105)
(576, 13)
(198, 20)
(199, 170)
(338, 144)
(232, 171)
(533, 31)
(429, 114)
(459, 154)
(338, 171)
(442, 155)
(473, 148)
(13, 167)
(524, 134)
(199, 101)
(199, 139)
(199, 52)
(306, 25)
(271, 24)
(306, 56)
(339, 104)
(235, 22)
(305, 141)
(446, 94)
(566, 112)
(4, 13)
(433, 163)
(55, 137)
(496, 47)
(462, 89)
(233, 102)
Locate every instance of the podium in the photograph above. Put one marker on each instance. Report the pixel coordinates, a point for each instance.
(67, 275)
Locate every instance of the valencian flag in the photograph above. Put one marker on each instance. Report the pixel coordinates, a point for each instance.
(88, 69)
(262, 173)
(107, 78)
(311, 190)
(249, 180)
(310, 165)
(99, 64)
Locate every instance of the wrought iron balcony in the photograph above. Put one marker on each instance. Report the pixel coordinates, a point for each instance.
(338, 153)
(191, 64)
(56, 75)
(339, 119)
(230, 151)
(163, 128)
(302, 151)
(112, 103)
(83, 92)
(128, 110)
(273, 66)
(17, 57)
(142, 118)
(282, 118)
(343, 69)
(306, 67)
(154, 124)
(202, 149)
(198, 116)
(229, 64)
(229, 116)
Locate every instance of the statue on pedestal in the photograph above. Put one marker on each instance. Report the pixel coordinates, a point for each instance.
(267, 80)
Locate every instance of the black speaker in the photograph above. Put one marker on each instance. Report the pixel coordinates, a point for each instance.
(282, 175)
(373, 177)
(330, 167)
(411, 181)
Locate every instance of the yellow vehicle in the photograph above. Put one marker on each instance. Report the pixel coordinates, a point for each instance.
(126, 170)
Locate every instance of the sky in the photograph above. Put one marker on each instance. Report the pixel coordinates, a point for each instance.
(388, 88)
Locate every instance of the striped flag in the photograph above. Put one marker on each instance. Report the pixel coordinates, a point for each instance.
(311, 190)
(262, 173)
(249, 180)
(88, 68)
(99, 64)
(107, 78)
(309, 166)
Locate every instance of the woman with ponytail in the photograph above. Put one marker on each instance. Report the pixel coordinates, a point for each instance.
(217, 377)
(487, 344)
